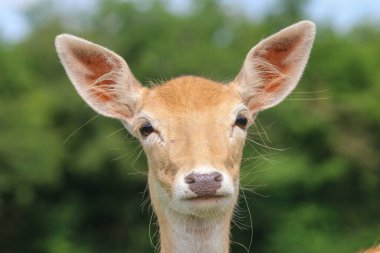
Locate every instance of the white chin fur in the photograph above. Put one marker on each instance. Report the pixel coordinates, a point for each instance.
(179, 200)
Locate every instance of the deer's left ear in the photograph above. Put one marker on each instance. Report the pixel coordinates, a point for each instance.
(273, 68)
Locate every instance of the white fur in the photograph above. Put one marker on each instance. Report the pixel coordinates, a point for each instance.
(185, 227)
(182, 191)
(188, 238)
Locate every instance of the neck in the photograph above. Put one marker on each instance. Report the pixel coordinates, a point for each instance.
(189, 234)
(180, 233)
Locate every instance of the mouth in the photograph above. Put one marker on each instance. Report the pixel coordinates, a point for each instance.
(204, 206)
(205, 198)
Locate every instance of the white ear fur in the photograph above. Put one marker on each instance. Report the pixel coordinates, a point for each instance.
(101, 77)
(273, 68)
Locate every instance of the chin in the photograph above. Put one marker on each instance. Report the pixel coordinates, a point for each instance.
(204, 207)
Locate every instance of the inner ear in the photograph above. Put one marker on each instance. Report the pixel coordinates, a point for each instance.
(98, 72)
(100, 76)
(273, 68)
(275, 62)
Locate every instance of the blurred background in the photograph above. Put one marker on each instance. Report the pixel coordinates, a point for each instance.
(71, 181)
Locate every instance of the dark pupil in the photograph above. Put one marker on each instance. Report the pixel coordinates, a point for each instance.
(146, 129)
(241, 121)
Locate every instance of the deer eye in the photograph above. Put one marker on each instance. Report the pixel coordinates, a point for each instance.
(241, 121)
(146, 129)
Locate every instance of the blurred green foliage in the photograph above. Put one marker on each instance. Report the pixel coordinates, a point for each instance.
(74, 182)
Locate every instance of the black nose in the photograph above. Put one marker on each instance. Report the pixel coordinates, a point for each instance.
(204, 185)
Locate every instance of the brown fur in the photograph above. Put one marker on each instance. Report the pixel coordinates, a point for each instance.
(194, 126)
(193, 121)
(189, 104)
(372, 250)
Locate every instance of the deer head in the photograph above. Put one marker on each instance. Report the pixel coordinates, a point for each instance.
(192, 129)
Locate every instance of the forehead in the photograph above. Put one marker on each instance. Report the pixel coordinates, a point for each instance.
(190, 95)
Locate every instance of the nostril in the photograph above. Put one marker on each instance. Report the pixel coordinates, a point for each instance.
(204, 184)
(218, 177)
(189, 179)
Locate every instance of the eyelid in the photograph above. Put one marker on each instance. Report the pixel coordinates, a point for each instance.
(240, 108)
(142, 118)
(245, 113)
(139, 123)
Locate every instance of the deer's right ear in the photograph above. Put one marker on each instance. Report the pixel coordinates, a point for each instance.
(101, 77)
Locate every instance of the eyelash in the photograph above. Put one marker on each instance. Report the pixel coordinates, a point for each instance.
(146, 129)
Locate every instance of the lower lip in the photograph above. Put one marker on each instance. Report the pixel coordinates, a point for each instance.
(206, 198)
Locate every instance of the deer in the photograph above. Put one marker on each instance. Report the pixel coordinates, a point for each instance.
(192, 129)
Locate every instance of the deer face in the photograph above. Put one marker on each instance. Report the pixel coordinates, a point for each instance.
(193, 132)
(192, 129)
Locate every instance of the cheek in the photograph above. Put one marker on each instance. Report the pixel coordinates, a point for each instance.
(166, 176)
(236, 152)
(160, 166)
(237, 144)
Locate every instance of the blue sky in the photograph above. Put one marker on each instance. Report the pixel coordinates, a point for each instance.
(341, 14)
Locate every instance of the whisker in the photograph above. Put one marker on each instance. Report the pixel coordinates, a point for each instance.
(149, 230)
(245, 159)
(261, 156)
(138, 156)
(265, 146)
(145, 197)
(138, 172)
(240, 244)
(79, 128)
(121, 129)
(309, 92)
(259, 134)
(308, 99)
(250, 220)
(261, 126)
(128, 155)
(255, 192)
(119, 157)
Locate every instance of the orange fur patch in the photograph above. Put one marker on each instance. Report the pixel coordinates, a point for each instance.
(275, 66)
(190, 93)
(195, 113)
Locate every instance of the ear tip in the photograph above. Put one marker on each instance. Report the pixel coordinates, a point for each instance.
(65, 39)
(61, 40)
(308, 23)
(307, 26)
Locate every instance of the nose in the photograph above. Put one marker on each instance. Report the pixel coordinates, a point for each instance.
(204, 185)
